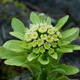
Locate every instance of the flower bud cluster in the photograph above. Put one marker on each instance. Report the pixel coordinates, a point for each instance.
(42, 37)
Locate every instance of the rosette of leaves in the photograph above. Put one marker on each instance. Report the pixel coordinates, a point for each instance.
(40, 47)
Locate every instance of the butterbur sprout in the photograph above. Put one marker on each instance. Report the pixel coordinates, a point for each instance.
(44, 35)
(40, 47)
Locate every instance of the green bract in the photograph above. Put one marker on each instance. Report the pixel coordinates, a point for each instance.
(40, 47)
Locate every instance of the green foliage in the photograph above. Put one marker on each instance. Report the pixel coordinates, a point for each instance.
(43, 60)
(34, 18)
(48, 20)
(32, 56)
(41, 47)
(63, 78)
(18, 26)
(61, 22)
(42, 17)
(70, 35)
(65, 69)
(14, 45)
(17, 61)
(17, 35)
(6, 54)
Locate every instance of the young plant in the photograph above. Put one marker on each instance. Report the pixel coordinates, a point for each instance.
(40, 47)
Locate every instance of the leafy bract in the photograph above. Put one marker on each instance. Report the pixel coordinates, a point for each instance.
(17, 35)
(14, 45)
(18, 26)
(64, 50)
(32, 56)
(6, 54)
(63, 78)
(17, 61)
(65, 69)
(48, 21)
(34, 18)
(42, 17)
(61, 22)
(54, 55)
(43, 60)
(63, 43)
(70, 35)
(73, 47)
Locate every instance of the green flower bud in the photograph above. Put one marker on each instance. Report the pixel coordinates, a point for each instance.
(35, 27)
(42, 29)
(54, 44)
(41, 49)
(51, 51)
(49, 26)
(28, 37)
(43, 36)
(34, 35)
(34, 43)
(40, 42)
(43, 24)
(30, 31)
(36, 50)
(46, 45)
(49, 39)
(50, 31)
(55, 38)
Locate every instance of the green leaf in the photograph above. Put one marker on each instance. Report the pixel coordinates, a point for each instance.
(14, 45)
(32, 56)
(43, 60)
(27, 46)
(70, 35)
(48, 21)
(65, 69)
(54, 55)
(61, 22)
(34, 18)
(42, 17)
(63, 78)
(69, 70)
(63, 43)
(6, 54)
(73, 47)
(17, 61)
(17, 35)
(18, 26)
(64, 50)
